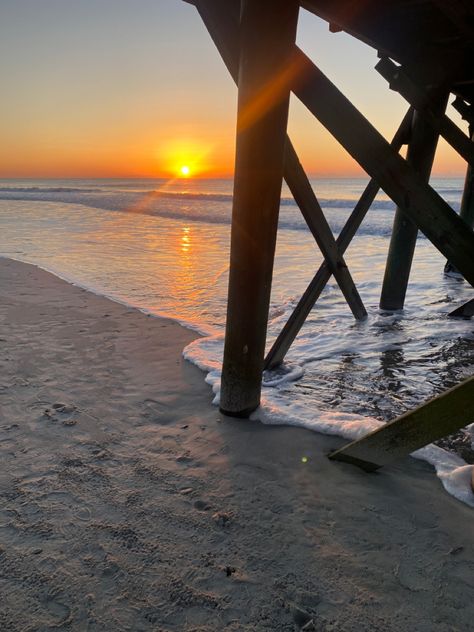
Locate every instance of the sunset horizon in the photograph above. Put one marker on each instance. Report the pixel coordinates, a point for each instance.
(164, 101)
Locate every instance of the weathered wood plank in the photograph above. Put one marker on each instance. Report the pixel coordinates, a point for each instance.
(464, 311)
(221, 23)
(433, 420)
(298, 317)
(420, 154)
(267, 37)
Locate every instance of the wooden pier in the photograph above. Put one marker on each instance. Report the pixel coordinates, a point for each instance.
(426, 51)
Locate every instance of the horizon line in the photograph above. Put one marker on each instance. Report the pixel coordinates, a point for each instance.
(208, 177)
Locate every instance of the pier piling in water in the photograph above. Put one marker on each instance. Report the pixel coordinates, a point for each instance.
(420, 154)
(467, 202)
(267, 36)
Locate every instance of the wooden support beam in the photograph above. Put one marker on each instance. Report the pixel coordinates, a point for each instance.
(297, 319)
(421, 101)
(466, 212)
(465, 311)
(433, 216)
(420, 155)
(221, 22)
(303, 193)
(467, 202)
(267, 37)
(433, 420)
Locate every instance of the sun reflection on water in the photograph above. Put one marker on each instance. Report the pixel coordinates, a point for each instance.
(186, 239)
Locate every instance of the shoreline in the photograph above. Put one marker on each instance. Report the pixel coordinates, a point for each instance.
(129, 502)
(193, 327)
(456, 475)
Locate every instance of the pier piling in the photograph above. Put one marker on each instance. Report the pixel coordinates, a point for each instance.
(420, 155)
(267, 37)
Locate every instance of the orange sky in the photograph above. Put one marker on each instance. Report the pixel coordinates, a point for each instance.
(142, 93)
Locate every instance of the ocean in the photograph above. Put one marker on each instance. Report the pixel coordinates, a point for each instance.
(163, 247)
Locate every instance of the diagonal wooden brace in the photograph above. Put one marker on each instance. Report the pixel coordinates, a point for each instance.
(297, 319)
(434, 217)
(464, 311)
(304, 196)
(433, 420)
(222, 25)
(421, 101)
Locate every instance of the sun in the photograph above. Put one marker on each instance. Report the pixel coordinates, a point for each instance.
(185, 171)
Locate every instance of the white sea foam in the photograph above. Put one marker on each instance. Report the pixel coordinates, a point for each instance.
(206, 353)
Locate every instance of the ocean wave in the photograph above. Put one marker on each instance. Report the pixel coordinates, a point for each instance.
(122, 199)
(212, 208)
(285, 201)
(35, 190)
(188, 195)
(457, 191)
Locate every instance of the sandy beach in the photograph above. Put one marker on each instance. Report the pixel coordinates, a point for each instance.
(127, 502)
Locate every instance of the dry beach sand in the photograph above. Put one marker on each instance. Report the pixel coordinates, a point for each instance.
(128, 503)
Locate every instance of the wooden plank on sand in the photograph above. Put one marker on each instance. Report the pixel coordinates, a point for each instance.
(433, 420)
(465, 311)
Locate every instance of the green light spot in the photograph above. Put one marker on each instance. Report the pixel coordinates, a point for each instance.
(304, 459)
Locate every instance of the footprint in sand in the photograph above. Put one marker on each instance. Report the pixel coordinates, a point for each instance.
(201, 505)
(61, 412)
(61, 612)
(69, 422)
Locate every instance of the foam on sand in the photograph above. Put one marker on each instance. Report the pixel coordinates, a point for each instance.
(206, 353)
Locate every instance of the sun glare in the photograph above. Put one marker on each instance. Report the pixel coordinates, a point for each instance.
(178, 158)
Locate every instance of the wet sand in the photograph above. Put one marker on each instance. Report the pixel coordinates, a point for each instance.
(127, 502)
